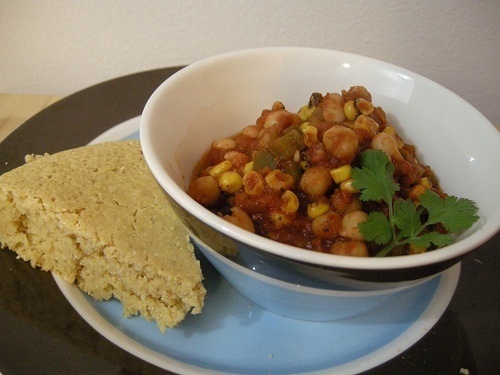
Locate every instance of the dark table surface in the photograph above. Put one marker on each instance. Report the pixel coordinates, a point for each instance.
(40, 332)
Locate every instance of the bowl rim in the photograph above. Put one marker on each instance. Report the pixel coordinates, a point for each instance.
(484, 232)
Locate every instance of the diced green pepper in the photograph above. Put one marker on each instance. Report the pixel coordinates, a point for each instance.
(262, 160)
(285, 146)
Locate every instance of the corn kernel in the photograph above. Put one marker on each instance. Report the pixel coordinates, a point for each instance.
(341, 174)
(280, 219)
(248, 167)
(316, 209)
(305, 112)
(364, 106)
(296, 156)
(310, 135)
(304, 164)
(425, 181)
(400, 143)
(415, 192)
(278, 180)
(390, 130)
(416, 249)
(346, 185)
(220, 168)
(230, 182)
(253, 183)
(289, 202)
(350, 110)
(303, 126)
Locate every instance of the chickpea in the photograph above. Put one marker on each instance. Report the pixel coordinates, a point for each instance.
(344, 202)
(237, 159)
(387, 143)
(224, 144)
(241, 219)
(205, 190)
(327, 226)
(316, 181)
(251, 131)
(280, 117)
(350, 223)
(341, 142)
(267, 136)
(333, 108)
(350, 248)
(316, 154)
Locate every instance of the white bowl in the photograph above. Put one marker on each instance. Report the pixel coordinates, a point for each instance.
(218, 96)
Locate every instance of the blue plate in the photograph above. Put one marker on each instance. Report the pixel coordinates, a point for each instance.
(232, 335)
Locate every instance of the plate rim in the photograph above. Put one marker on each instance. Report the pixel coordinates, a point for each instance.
(428, 318)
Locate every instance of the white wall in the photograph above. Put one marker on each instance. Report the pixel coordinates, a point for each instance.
(61, 46)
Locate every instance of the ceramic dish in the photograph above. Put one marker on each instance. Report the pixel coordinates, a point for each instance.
(234, 336)
(216, 97)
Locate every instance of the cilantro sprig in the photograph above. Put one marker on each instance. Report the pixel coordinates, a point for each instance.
(405, 223)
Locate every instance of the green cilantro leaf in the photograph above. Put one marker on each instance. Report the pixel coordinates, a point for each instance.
(406, 217)
(376, 228)
(438, 239)
(375, 178)
(456, 214)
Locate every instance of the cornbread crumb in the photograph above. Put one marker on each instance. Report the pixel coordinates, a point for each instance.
(95, 216)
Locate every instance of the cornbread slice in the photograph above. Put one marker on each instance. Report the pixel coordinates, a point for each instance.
(95, 216)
